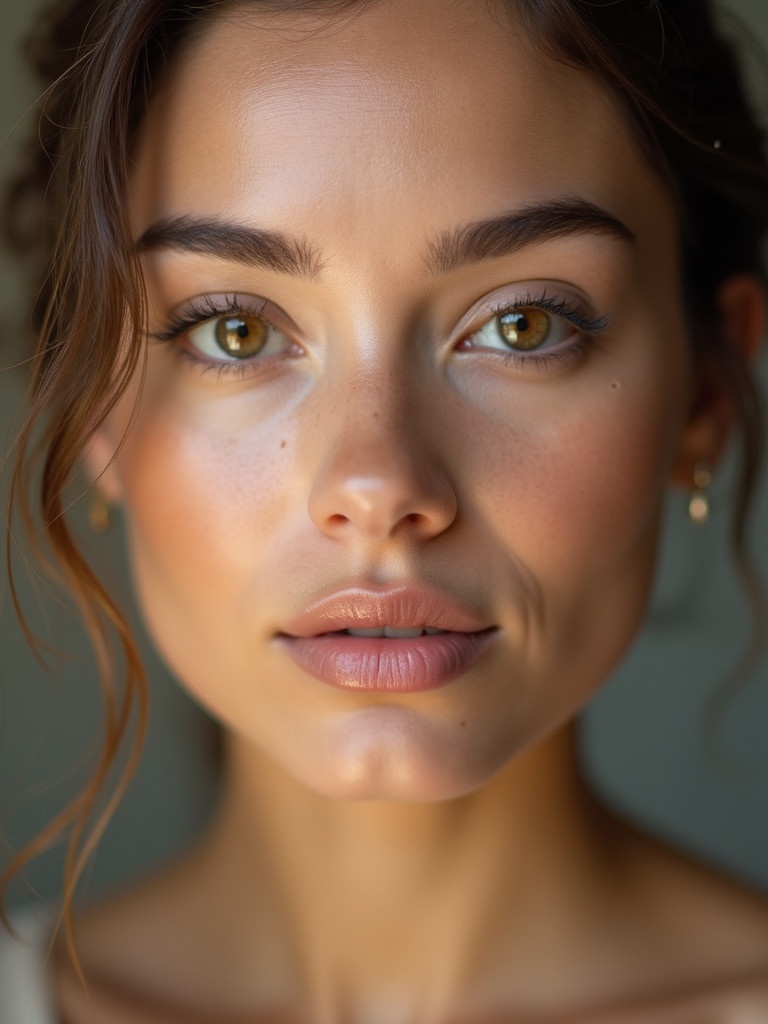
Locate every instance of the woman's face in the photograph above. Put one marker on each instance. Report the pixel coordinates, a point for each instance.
(387, 415)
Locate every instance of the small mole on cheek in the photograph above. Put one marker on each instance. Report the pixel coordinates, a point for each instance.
(283, 443)
(616, 385)
(463, 725)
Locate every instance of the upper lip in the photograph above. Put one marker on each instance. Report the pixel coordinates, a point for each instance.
(406, 606)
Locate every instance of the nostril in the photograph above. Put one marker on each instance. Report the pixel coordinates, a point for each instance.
(376, 495)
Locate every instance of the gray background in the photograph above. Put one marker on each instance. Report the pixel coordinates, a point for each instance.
(645, 742)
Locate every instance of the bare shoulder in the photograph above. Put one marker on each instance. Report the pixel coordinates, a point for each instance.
(747, 1003)
(723, 1001)
(704, 934)
(157, 953)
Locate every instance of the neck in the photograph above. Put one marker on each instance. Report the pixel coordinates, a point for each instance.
(377, 901)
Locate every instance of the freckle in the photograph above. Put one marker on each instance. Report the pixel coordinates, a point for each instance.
(616, 385)
(463, 725)
(375, 415)
(282, 444)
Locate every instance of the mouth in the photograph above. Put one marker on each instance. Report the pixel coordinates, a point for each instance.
(401, 640)
(393, 632)
(406, 611)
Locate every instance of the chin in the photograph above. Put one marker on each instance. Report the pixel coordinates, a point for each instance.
(394, 754)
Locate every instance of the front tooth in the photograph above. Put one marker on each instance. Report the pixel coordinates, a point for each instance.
(402, 634)
(377, 631)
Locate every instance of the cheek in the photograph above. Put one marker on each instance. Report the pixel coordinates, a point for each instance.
(575, 469)
(602, 473)
(205, 493)
(572, 488)
(601, 499)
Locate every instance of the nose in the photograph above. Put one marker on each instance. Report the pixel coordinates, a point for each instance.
(379, 475)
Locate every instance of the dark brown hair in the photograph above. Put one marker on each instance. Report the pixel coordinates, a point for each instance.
(679, 83)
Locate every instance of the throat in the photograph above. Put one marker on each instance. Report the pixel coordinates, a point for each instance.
(381, 897)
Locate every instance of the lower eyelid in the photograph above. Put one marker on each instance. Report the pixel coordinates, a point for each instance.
(562, 354)
(539, 362)
(573, 332)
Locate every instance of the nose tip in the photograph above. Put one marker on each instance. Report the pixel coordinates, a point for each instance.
(377, 487)
(382, 504)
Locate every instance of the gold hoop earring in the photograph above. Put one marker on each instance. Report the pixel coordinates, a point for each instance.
(99, 515)
(698, 503)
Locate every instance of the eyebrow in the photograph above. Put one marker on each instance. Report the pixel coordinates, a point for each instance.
(472, 243)
(235, 243)
(509, 233)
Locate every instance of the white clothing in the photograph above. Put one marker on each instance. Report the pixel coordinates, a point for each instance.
(25, 992)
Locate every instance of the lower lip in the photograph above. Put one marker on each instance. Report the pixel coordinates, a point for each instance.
(381, 664)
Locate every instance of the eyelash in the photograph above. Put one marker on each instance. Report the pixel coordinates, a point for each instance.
(573, 313)
(198, 311)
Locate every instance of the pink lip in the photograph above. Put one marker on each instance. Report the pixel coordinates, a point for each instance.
(315, 640)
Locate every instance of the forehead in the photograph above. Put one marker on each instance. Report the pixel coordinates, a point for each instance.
(448, 107)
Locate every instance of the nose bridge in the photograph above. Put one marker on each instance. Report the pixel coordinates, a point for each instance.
(375, 422)
(378, 471)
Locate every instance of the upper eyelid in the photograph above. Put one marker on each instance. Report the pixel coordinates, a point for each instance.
(556, 296)
(565, 311)
(204, 307)
(207, 307)
(194, 312)
(572, 311)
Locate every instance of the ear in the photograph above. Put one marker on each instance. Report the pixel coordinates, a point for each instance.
(101, 468)
(741, 304)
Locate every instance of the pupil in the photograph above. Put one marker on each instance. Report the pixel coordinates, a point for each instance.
(241, 336)
(524, 330)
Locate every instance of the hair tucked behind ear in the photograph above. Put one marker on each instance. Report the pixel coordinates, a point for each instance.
(101, 60)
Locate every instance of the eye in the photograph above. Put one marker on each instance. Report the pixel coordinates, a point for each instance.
(236, 337)
(522, 329)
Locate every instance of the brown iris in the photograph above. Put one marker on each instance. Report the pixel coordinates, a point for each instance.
(240, 336)
(524, 329)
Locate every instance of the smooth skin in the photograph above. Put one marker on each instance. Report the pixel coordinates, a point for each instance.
(432, 857)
